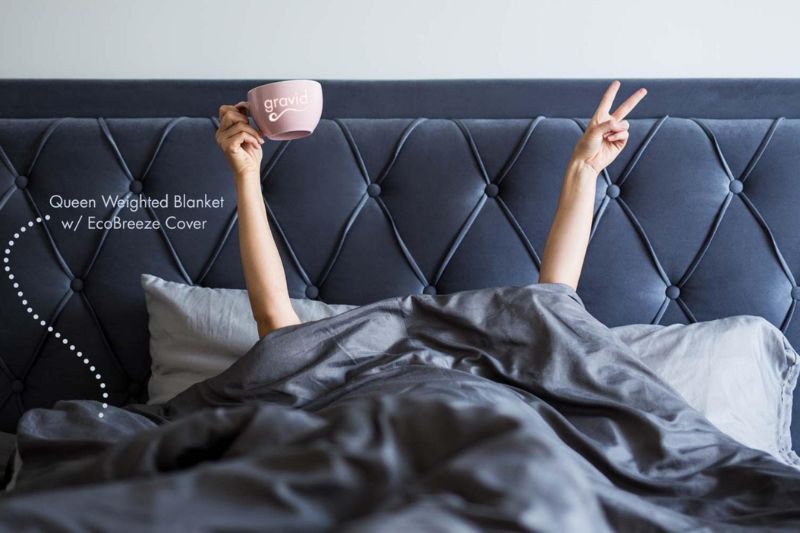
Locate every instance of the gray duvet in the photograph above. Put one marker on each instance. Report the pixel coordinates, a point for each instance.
(501, 409)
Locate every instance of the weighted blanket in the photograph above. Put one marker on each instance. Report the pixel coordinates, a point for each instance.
(506, 409)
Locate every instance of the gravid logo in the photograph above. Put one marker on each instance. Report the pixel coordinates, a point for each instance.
(276, 107)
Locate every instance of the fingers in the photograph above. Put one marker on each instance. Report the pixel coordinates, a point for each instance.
(611, 126)
(628, 105)
(604, 107)
(619, 136)
(233, 143)
(233, 123)
(229, 118)
(229, 115)
(616, 126)
(240, 127)
(244, 138)
(227, 108)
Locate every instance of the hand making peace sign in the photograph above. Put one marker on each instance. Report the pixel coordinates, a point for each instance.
(607, 133)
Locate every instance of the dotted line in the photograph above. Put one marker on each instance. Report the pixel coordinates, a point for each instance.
(21, 295)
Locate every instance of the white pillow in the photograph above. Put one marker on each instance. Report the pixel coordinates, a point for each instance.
(197, 332)
(740, 372)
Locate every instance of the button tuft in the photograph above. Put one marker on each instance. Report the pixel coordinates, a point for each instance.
(76, 285)
(312, 292)
(673, 292)
(136, 186)
(796, 293)
(17, 386)
(736, 186)
(21, 182)
(612, 191)
(374, 190)
(492, 190)
(429, 289)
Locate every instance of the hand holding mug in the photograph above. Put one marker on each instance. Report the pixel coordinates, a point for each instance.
(238, 140)
(283, 111)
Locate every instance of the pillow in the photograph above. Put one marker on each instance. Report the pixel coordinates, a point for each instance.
(197, 332)
(740, 372)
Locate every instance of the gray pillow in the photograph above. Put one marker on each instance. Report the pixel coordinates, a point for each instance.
(739, 372)
(197, 332)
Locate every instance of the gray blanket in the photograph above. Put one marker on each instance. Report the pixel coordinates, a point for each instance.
(497, 409)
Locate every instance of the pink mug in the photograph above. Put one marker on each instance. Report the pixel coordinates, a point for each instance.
(286, 110)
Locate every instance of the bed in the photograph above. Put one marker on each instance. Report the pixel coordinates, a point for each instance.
(426, 188)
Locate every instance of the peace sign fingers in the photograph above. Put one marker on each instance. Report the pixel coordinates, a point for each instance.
(603, 111)
(604, 107)
(628, 105)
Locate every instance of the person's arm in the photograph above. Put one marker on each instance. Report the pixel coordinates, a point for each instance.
(603, 140)
(261, 262)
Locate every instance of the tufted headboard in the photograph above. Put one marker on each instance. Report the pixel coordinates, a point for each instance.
(406, 187)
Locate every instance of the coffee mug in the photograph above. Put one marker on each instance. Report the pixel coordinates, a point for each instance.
(286, 110)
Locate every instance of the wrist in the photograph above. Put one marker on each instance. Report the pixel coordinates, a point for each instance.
(580, 181)
(581, 169)
(246, 177)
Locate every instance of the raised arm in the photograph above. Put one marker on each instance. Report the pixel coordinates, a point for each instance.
(261, 262)
(603, 140)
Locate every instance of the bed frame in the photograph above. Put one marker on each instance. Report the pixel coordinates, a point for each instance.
(406, 187)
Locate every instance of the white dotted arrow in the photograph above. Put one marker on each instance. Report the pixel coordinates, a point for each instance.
(21, 295)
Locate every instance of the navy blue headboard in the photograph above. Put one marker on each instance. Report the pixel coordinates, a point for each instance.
(406, 187)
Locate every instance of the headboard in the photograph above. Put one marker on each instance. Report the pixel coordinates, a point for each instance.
(406, 187)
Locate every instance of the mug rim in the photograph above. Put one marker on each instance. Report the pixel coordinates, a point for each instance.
(283, 82)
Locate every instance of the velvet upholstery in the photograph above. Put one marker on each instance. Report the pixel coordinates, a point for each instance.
(406, 187)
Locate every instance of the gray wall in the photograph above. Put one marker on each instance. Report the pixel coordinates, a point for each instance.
(400, 39)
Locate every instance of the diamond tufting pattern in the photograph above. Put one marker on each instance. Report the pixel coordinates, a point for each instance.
(694, 221)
